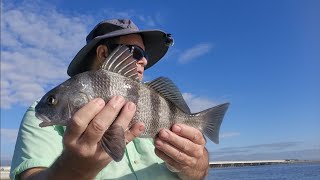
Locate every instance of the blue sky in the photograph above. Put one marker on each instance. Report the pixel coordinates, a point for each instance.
(261, 56)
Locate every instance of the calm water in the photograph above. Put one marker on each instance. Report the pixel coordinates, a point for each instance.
(274, 172)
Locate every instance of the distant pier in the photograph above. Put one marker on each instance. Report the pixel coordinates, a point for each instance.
(217, 164)
(4, 173)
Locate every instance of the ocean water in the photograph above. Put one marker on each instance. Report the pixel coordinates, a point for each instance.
(308, 171)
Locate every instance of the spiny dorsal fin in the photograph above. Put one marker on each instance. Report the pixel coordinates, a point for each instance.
(120, 61)
(170, 91)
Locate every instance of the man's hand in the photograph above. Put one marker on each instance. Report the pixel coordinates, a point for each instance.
(183, 150)
(83, 157)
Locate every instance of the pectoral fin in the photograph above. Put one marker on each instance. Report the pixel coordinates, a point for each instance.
(113, 142)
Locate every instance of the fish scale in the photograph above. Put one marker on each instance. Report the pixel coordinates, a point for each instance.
(159, 103)
(157, 108)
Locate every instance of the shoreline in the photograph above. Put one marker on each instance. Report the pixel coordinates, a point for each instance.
(231, 164)
(5, 170)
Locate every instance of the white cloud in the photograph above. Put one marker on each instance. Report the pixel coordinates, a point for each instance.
(229, 134)
(196, 103)
(148, 21)
(38, 42)
(194, 52)
(9, 135)
(37, 45)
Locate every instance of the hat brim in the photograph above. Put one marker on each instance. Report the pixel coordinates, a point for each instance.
(154, 42)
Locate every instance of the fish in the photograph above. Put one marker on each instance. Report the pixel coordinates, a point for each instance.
(159, 102)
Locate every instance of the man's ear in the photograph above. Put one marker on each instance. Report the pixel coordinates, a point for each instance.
(102, 52)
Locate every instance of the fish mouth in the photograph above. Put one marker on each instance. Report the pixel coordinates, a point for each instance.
(45, 124)
(45, 120)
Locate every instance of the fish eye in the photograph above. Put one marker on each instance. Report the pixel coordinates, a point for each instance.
(51, 100)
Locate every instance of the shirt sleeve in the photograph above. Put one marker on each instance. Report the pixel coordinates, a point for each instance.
(35, 146)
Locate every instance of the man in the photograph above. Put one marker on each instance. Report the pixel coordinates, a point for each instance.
(74, 152)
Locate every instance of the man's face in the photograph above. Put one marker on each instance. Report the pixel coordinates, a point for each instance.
(132, 39)
(135, 39)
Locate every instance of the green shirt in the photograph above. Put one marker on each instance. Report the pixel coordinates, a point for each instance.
(40, 147)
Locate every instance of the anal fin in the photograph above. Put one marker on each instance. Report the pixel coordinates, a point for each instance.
(113, 142)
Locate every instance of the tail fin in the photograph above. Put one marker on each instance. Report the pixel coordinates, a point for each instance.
(212, 119)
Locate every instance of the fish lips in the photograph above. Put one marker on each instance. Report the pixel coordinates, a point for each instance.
(45, 120)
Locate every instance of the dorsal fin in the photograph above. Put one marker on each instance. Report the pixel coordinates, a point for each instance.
(170, 91)
(120, 61)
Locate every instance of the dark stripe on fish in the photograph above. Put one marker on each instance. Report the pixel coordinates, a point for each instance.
(133, 95)
(155, 103)
(172, 114)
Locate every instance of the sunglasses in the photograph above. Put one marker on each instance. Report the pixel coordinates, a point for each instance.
(137, 52)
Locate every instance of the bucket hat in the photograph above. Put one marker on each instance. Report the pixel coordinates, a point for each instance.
(156, 42)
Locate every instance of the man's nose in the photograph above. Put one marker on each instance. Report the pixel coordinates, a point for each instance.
(143, 62)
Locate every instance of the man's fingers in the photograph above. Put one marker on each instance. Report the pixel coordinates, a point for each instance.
(134, 131)
(80, 120)
(125, 118)
(174, 153)
(184, 145)
(126, 115)
(102, 121)
(174, 166)
(189, 132)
